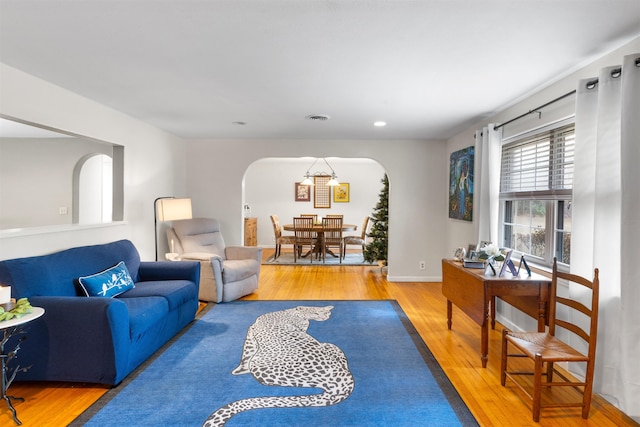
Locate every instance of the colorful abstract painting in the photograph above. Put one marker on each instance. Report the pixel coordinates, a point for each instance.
(461, 184)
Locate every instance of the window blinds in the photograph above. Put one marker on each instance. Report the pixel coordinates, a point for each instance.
(540, 165)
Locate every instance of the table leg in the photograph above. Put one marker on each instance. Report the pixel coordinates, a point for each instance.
(449, 313)
(542, 307)
(484, 332)
(493, 312)
(5, 376)
(484, 343)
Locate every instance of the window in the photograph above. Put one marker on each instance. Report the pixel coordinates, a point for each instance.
(536, 183)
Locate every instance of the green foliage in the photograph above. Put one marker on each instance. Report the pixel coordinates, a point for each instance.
(22, 307)
(376, 250)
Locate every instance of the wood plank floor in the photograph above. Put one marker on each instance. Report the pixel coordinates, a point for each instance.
(457, 351)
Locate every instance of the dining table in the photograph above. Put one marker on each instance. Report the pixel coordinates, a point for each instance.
(319, 229)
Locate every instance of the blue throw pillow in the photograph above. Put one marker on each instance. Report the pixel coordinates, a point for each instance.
(108, 283)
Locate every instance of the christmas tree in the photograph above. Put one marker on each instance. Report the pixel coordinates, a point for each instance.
(376, 250)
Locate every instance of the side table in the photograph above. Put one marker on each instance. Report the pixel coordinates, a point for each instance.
(11, 328)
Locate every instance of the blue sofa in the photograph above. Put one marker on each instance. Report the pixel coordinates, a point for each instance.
(98, 339)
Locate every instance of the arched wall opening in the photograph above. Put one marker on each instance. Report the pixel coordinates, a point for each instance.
(269, 188)
(93, 189)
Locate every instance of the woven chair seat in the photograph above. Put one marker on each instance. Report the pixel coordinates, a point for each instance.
(549, 347)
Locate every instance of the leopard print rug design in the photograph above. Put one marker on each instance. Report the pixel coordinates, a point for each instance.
(279, 351)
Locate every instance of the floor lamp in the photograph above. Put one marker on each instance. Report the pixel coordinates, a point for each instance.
(169, 209)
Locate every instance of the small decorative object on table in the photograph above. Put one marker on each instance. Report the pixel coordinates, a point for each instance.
(491, 252)
(473, 263)
(13, 309)
(459, 254)
(523, 262)
(493, 255)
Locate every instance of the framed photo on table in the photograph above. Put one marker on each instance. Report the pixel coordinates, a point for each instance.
(341, 193)
(303, 192)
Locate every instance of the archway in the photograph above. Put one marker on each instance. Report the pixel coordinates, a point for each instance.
(269, 188)
(93, 190)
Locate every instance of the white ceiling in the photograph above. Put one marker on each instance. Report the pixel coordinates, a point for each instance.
(428, 68)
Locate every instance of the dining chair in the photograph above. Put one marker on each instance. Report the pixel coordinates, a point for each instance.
(334, 216)
(360, 240)
(280, 239)
(571, 318)
(314, 216)
(304, 235)
(332, 229)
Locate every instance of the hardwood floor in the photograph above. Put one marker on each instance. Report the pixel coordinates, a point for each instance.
(457, 351)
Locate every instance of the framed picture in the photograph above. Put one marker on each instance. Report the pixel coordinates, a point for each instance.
(471, 248)
(461, 184)
(303, 192)
(341, 193)
(505, 263)
(459, 253)
(321, 192)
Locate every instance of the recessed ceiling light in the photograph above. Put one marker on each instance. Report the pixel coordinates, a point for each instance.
(318, 117)
(380, 124)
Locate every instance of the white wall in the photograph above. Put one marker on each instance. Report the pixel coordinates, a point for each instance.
(417, 173)
(269, 187)
(154, 164)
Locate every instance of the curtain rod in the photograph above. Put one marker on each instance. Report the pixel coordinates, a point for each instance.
(614, 73)
(535, 110)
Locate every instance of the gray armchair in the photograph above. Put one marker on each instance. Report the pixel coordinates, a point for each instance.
(227, 272)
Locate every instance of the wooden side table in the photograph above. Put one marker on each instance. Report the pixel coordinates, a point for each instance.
(251, 231)
(474, 292)
(11, 328)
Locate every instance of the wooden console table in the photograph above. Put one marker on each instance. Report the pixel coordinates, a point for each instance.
(474, 291)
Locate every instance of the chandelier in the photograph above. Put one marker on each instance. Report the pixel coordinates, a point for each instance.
(307, 176)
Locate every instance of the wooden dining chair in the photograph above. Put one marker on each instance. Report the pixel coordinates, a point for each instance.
(334, 216)
(332, 229)
(360, 240)
(304, 235)
(570, 318)
(314, 216)
(280, 239)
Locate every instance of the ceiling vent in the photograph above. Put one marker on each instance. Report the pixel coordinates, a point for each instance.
(317, 117)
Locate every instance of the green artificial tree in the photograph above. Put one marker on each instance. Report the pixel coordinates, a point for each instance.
(376, 250)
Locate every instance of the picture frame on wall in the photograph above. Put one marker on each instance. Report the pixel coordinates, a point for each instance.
(461, 178)
(321, 192)
(341, 193)
(303, 192)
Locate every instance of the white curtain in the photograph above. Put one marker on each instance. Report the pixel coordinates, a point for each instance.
(606, 222)
(488, 154)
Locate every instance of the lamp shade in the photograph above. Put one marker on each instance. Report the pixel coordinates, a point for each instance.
(333, 182)
(174, 209)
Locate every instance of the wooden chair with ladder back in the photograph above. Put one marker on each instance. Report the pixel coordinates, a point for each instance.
(571, 318)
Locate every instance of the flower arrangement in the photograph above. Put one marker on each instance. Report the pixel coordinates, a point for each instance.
(492, 252)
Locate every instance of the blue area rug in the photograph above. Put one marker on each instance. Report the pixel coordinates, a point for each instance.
(396, 380)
